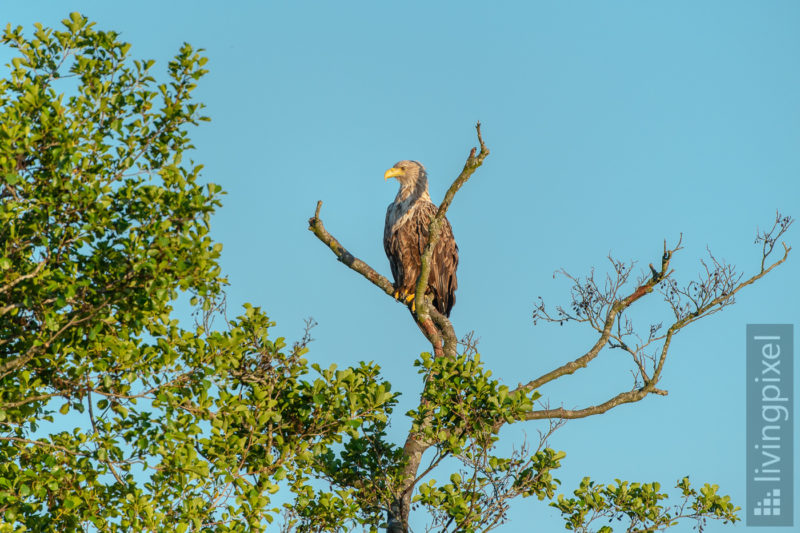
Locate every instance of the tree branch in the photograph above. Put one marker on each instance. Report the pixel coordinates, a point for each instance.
(715, 290)
(619, 399)
(474, 160)
(316, 226)
(611, 316)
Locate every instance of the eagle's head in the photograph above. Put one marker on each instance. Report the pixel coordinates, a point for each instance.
(406, 172)
(412, 177)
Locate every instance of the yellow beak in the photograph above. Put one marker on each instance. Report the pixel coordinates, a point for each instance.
(393, 172)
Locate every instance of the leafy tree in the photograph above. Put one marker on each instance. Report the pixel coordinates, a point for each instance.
(103, 226)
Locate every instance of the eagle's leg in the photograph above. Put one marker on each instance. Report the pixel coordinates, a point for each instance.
(408, 298)
(404, 295)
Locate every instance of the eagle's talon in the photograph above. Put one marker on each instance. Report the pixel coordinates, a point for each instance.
(409, 298)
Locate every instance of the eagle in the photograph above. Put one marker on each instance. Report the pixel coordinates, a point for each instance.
(406, 234)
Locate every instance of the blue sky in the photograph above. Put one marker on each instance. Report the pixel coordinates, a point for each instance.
(612, 126)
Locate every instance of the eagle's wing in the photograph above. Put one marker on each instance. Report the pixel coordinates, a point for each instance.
(442, 281)
(444, 262)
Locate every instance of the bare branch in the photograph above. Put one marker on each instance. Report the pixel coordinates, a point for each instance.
(715, 289)
(613, 310)
(474, 160)
(782, 224)
(619, 399)
(315, 226)
(427, 326)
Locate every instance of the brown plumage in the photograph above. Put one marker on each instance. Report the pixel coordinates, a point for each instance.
(406, 234)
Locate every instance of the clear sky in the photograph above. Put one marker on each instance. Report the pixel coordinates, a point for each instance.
(613, 125)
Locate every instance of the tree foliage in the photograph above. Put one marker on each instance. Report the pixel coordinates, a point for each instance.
(111, 413)
(639, 506)
(116, 416)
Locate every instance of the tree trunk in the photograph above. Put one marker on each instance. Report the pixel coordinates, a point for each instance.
(397, 516)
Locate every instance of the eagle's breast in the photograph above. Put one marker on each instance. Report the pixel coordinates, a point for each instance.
(398, 214)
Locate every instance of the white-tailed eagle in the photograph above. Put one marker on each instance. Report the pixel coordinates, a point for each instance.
(406, 234)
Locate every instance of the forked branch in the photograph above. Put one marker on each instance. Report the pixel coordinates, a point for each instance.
(434, 325)
(602, 308)
(601, 302)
